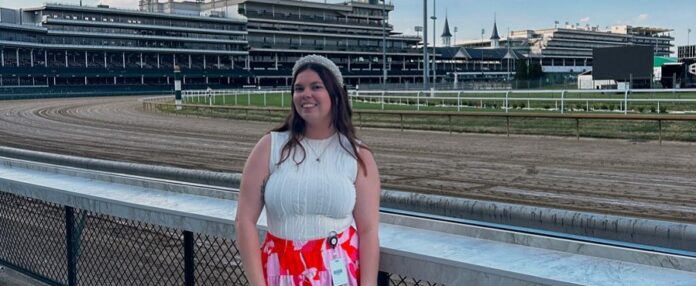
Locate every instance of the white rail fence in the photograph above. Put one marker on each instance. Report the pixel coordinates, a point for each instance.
(461, 99)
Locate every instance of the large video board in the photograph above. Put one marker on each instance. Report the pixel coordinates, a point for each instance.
(622, 63)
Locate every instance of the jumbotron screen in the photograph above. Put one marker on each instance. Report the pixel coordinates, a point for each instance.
(622, 63)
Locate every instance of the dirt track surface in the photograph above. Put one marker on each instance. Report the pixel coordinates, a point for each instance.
(607, 176)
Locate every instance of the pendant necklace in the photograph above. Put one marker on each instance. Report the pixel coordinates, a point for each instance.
(323, 147)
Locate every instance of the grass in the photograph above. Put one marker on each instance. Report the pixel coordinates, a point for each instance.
(618, 129)
(597, 102)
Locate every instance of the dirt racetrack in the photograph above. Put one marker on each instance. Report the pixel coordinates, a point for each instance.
(607, 176)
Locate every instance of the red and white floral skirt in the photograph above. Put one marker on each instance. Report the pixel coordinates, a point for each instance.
(295, 262)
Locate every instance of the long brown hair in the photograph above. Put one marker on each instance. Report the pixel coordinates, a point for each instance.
(341, 117)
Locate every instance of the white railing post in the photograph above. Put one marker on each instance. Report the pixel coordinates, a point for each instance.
(282, 99)
(459, 99)
(507, 102)
(418, 101)
(562, 101)
(264, 98)
(383, 99)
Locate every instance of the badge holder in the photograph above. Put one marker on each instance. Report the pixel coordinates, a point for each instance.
(339, 275)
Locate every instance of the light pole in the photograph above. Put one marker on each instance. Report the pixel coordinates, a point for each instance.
(434, 44)
(426, 64)
(384, 44)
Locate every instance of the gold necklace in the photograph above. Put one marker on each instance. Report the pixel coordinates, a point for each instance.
(323, 148)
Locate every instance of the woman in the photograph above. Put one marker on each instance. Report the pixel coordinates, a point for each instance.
(320, 187)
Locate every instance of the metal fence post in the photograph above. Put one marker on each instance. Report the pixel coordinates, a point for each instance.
(626, 102)
(189, 267)
(659, 130)
(69, 244)
(382, 279)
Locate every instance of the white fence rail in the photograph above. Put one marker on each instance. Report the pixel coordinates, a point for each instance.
(454, 98)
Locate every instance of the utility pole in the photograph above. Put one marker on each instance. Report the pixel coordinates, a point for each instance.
(426, 64)
(434, 44)
(384, 44)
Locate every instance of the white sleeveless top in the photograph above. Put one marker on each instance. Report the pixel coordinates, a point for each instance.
(312, 199)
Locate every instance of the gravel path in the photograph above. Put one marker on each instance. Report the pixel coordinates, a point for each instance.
(608, 176)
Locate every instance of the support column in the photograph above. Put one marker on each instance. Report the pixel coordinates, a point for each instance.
(70, 243)
(218, 61)
(86, 62)
(173, 59)
(85, 80)
(204, 63)
(348, 63)
(114, 80)
(177, 87)
(141, 60)
(189, 58)
(142, 79)
(17, 60)
(276, 61)
(66, 58)
(105, 65)
(124, 59)
(189, 256)
(158, 60)
(46, 59)
(2, 56)
(31, 57)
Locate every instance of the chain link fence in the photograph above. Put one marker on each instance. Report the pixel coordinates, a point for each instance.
(106, 250)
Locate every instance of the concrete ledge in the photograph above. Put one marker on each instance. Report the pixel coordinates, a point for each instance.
(436, 251)
(673, 235)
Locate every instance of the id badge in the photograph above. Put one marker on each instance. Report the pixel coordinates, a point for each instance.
(338, 272)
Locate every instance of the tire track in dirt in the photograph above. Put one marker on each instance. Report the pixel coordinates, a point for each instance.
(605, 176)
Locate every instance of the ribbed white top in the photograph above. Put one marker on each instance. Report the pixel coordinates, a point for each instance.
(309, 200)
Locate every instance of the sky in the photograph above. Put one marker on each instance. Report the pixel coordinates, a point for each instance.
(470, 16)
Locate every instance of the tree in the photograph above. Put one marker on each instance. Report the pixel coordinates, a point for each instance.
(535, 71)
(521, 71)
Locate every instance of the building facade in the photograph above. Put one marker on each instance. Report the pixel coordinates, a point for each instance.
(226, 43)
(349, 33)
(686, 53)
(568, 49)
(67, 45)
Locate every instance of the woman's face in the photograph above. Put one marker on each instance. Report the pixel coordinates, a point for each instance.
(311, 98)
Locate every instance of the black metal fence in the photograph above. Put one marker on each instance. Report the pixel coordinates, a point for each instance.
(61, 245)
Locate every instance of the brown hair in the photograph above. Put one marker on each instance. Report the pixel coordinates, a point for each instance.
(341, 117)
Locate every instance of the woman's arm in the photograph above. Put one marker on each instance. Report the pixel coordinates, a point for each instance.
(366, 215)
(249, 208)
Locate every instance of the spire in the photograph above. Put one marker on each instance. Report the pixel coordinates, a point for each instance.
(446, 30)
(495, 30)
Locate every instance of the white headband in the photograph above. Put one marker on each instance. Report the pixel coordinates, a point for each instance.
(322, 61)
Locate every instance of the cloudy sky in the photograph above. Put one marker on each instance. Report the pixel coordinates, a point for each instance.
(470, 16)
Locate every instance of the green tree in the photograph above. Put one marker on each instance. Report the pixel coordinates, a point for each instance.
(535, 71)
(521, 71)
